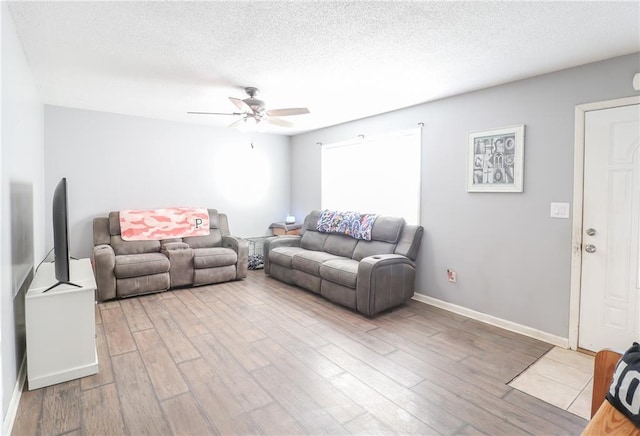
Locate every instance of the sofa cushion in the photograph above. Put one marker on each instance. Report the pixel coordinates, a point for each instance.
(311, 221)
(281, 273)
(387, 229)
(143, 284)
(343, 295)
(213, 239)
(122, 247)
(138, 265)
(213, 257)
(284, 255)
(207, 276)
(341, 271)
(305, 280)
(371, 248)
(409, 242)
(164, 242)
(101, 233)
(340, 245)
(313, 240)
(310, 261)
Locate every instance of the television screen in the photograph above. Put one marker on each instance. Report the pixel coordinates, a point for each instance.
(61, 231)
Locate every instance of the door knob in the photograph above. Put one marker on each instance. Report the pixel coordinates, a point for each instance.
(590, 248)
(591, 232)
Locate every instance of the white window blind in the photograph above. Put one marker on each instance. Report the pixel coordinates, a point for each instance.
(378, 174)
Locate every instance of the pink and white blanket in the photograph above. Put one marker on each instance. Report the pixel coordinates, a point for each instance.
(158, 224)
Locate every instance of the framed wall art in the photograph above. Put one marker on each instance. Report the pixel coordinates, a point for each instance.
(495, 160)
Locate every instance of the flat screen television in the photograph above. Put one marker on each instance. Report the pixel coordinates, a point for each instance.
(60, 219)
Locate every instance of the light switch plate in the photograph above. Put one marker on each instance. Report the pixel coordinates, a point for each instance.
(559, 210)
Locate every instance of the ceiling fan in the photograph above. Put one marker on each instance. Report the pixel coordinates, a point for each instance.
(254, 110)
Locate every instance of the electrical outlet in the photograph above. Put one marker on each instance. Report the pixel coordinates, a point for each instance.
(451, 275)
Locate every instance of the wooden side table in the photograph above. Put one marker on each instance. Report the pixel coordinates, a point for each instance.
(285, 229)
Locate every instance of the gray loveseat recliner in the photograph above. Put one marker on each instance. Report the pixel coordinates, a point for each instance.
(124, 268)
(368, 276)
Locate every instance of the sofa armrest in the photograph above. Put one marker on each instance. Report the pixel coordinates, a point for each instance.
(241, 247)
(384, 281)
(180, 257)
(104, 262)
(275, 242)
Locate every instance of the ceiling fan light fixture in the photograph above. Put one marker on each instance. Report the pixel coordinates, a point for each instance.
(254, 111)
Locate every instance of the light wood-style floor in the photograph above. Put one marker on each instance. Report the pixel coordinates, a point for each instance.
(261, 357)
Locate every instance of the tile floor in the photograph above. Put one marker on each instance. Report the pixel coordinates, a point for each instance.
(561, 377)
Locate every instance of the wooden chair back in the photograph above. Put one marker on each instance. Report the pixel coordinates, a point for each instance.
(604, 365)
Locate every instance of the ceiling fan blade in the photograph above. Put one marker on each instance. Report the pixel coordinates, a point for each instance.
(215, 113)
(279, 122)
(288, 112)
(240, 104)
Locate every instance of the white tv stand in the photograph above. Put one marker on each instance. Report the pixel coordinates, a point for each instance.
(61, 326)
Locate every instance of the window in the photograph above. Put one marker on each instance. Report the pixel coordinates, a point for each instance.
(380, 175)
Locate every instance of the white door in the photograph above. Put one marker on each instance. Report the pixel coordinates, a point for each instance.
(610, 285)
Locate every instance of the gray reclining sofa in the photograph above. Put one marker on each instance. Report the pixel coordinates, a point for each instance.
(368, 276)
(125, 268)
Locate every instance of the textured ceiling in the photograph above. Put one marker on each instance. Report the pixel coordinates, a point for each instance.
(343, 60)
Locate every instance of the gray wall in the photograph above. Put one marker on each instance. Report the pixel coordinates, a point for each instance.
(512, 259)
(22, 164)
(115, 162)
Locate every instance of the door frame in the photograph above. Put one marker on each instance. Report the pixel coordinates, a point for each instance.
(578, 195)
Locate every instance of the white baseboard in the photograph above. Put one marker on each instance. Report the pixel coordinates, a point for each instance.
(54, 378)
(10, 417)
(495, 321)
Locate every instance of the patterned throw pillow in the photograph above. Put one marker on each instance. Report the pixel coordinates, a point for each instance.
(624, 393)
